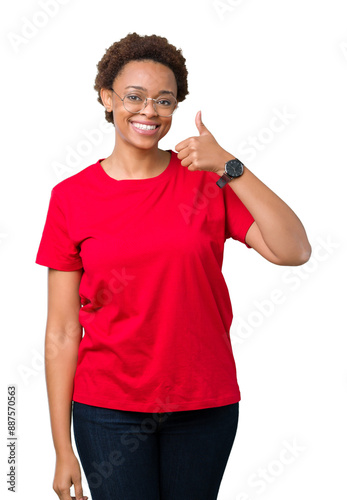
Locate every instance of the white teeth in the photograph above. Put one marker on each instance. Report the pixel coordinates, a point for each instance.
(144, 127)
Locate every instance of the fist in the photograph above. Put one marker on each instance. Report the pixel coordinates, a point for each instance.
(202, 152)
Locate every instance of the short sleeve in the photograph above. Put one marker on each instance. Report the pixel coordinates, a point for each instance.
(238, 218)
(56, 249)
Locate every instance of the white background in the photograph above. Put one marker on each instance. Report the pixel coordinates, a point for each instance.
(246, 65)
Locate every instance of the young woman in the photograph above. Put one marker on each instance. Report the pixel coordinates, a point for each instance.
(134, 246)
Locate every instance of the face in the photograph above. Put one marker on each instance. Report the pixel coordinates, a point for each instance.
(153, 77)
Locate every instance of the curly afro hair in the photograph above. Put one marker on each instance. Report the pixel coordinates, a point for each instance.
(134, 47)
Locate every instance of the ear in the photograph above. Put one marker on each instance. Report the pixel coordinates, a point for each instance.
(106, 97)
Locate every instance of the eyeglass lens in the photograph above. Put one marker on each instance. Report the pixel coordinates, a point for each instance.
(164, 105)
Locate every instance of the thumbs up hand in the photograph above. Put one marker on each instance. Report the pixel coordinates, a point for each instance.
(202, 152)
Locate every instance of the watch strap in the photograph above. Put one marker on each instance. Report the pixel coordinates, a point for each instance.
(223, 180)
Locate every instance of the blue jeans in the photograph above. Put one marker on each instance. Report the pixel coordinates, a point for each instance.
(128, 455)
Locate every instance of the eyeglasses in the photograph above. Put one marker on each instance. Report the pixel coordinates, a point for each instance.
(135, 102)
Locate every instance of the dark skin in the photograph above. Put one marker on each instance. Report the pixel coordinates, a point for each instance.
(277, 233)
(136, 155)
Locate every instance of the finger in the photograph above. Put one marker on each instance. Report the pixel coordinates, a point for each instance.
(183, 153)
(183, 144)
(64, 494)
(78, 489)
(186, 162)
(203, 130)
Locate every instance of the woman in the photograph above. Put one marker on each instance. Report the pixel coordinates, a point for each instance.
(137, 239)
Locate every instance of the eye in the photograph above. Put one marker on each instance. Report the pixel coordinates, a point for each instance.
(164, 101)
(134, 98)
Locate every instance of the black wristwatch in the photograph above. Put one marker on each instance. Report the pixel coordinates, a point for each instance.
(232, 169)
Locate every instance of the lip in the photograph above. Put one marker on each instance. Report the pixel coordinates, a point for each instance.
(145, 132)
(144, 123)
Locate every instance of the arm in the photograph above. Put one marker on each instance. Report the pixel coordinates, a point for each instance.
(277, 233)
(63, 336)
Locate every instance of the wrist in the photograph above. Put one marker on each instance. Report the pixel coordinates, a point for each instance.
(64, 451)
(225, 156)
(64, 457)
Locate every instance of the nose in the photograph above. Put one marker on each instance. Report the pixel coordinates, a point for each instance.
(149, 109)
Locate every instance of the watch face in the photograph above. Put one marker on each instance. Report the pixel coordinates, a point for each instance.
(234, 168)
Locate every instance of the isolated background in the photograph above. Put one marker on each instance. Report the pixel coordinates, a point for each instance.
(248, 62)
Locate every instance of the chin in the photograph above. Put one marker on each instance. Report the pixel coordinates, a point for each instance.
(144, 144)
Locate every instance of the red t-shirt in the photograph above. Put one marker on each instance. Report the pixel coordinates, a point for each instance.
(156, 310)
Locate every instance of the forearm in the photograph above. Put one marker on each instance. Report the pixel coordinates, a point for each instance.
(60, 365)
(281, 229)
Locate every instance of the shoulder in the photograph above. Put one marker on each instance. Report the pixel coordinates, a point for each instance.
(76, 182)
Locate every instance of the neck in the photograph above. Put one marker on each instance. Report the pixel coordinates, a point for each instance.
(128, 161)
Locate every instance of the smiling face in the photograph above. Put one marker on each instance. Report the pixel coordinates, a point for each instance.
(153, 78)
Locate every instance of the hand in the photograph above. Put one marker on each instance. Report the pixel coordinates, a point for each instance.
(68, 473)
(202, 152)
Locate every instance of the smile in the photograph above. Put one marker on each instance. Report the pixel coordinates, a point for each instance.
(142, 126)
(144, 129)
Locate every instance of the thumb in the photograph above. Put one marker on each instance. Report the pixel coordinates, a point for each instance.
(200, 126)
(79, 491)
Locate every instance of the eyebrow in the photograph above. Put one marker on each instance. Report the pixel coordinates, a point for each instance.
(142, 88)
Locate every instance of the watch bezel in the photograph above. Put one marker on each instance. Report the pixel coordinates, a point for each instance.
(234, 162)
